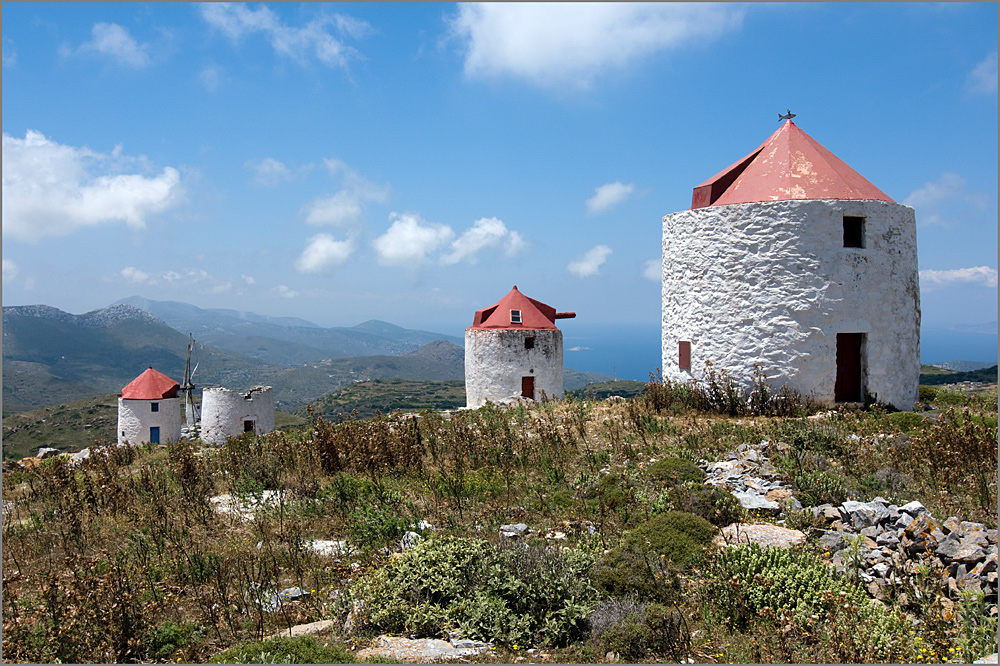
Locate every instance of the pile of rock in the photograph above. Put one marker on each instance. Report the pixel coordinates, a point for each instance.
(752, 479)
(887, 544)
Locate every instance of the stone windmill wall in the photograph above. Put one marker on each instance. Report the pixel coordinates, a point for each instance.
(792, 261)
(226, 413)
(514, 350)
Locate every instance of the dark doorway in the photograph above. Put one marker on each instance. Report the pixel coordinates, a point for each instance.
(528, 387)
(850, 368)
(248, 426)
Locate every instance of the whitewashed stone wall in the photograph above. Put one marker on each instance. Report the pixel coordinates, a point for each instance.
(223, 413)
(136, 417)
(496, 360)
(771, 283)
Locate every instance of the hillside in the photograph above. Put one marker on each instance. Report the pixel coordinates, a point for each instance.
(51, 356)
(558, 532)
(285, 341)
(984, 376)
(388, 395)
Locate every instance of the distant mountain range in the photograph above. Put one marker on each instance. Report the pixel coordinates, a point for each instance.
(286, 341)
(52, 357)
(963, 366)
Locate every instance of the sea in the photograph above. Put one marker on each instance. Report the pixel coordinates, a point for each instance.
(632, 351)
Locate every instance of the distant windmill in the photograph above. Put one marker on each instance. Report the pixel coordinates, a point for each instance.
(190, 410)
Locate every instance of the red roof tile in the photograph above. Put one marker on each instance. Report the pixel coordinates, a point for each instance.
(535, 315)
(789, 165)
(150, 385)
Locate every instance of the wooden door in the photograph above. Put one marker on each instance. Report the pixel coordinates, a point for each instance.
(849, 385)
(528, 387)
(154, 435)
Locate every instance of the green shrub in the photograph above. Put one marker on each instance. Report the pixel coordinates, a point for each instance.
(906, 421)
(819, 487)
(750, 581)
(678, 536)
(170, 636)
(712, 503)
(285, 650)
(624, 572)
(654, 630)
(675, 471)
(499, 593)
(927, 393)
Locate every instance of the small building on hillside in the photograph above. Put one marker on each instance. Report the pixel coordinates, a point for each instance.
(149, 410)
(226, 413)
(514, 350)
(791, 260)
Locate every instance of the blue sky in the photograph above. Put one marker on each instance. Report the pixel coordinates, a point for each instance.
(411, 162)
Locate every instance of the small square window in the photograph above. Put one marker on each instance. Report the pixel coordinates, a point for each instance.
(529, 343)
(154, 406)
(515, 316)
(854, 231)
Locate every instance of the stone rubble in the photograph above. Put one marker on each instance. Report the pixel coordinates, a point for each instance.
(883, 543)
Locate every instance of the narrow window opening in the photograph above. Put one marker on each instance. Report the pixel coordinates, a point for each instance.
(515, 316)
(529, 343)
(854, 231)
(248, 426)
(684, 355)
(154, 406)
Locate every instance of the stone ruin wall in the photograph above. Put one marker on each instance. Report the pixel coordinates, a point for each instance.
(223, 413)
(771, 283)
(496, 359)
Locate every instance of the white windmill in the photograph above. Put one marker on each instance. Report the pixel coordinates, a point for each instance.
(191, 416)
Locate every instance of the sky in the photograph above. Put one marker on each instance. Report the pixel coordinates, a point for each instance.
(412, 162)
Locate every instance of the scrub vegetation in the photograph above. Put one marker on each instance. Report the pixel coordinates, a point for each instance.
(126, 556)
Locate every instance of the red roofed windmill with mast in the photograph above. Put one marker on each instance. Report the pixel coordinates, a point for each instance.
(514, 350)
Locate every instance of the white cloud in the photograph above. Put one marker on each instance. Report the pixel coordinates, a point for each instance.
(652, 269)
(50, 189)
(983, 77)
(9, 53)
(237, 20)
(977, 275)
(269, 171)
(590, 262)
(113, 40)
(484, 232)
(410, 239)
(248, 279)
(170, 276)
(286, 292)
(322, 252)
(607, 196)
(347, 206)
(9, 270)
(556, 44)
(222, 288)
(210, 77)
(133, 274)
(944, 201)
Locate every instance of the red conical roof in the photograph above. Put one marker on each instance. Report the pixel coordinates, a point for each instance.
(789, 165)
(150, 385)
(534, 314)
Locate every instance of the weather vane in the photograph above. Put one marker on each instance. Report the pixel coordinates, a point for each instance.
(788, 116)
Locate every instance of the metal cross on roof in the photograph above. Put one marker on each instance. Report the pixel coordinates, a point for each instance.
(788, 116)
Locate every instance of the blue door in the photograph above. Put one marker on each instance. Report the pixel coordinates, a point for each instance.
(154, 435)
